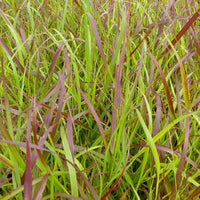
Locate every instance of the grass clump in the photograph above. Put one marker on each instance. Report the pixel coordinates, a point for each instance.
(99, 100)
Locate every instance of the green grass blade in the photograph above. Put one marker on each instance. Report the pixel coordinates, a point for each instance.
(153, 149)
(72, 171)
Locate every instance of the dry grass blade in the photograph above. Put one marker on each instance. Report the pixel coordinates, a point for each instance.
(181, 33)
(169, 98)
(96, 117)
(97, 39)
(28, 175)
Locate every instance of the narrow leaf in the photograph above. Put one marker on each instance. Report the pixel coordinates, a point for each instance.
(97, 39)
(169, 98)
(194, 194)
(96, 117)
(186, 93)
(153, 149)
(28, 175)
(68, 155)
(181, 33)
(117, 181)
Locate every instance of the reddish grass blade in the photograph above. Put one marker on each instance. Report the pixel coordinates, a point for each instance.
(49, 117)
(194, 194)
(172, 151)
(28, 175)
(183, 59)
(123, 197)
(38, 148)
(181, 33)
(97, 39)
(53, 63)
(41, 188)
(178, 98)
(67, 62)
(116, 36)
(55, 111)
(158, 114)
(34, 128)
(40, 144)
(25, 40)
(93, 193)
(96, 117)
(182, 160)
(117, 181)
(51, 68)
(138, 24)
(70, 134)
(150, 79)
(118, 76)
(82, 194)
(186, 93)
(23, 144)
(28, 134)
(59, 111)
(196, 103)
(147, 34)
(169, 98)
(169, 150)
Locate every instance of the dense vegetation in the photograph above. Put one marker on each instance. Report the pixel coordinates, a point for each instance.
(99, 99)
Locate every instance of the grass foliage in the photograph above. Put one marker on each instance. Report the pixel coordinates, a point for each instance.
(99, 99)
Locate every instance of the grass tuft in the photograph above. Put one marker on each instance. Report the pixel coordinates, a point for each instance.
(99, 100)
